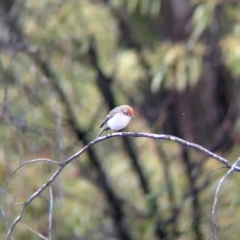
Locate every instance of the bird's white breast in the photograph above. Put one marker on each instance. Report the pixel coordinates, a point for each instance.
(118, 122)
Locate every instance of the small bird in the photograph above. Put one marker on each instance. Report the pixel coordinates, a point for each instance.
(117, 119)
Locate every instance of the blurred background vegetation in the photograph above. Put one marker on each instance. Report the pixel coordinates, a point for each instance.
(65, 64)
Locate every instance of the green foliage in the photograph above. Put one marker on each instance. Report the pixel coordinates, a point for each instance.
(179, 67)
(35, 121)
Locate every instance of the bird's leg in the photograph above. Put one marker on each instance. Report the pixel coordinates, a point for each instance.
(122, 131)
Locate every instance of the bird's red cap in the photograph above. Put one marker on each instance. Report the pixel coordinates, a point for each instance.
(131, 111)
(127, 110)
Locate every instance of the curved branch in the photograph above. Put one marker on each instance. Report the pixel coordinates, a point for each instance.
(63, 164)
(26, 163)
(230, 171)
(170, 138)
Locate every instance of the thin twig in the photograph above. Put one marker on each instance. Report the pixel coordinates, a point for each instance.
(50, 213)
(35, 232)
(10, 198)
(211, 171)
(29, 162)
(214, 226)
(4, 219)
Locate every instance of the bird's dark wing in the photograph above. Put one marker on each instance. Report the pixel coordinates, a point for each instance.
(106, 119)
(110, 115)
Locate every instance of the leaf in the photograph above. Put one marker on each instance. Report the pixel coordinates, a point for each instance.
(158, 79)
(201, 19)
(155, 8)
(181, 75)
(144, 9)
(194, 65)
(132, 5)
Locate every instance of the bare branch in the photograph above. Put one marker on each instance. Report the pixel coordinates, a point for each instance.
(211, 171)
(63, 164)
(170, 138)
(4, 219)
(10, 198)
(35, 232)
(50, 213)
(17, 219)
(158, 137)
(230, 171)
(29, 162)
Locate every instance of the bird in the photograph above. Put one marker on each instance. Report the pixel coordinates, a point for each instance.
(117, 119)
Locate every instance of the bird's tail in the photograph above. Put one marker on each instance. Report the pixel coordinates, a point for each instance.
(101, 132)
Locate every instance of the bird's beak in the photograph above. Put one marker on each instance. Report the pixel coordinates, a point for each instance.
(133, 116)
